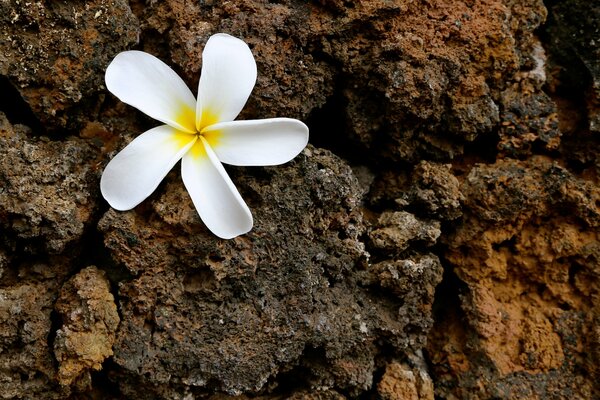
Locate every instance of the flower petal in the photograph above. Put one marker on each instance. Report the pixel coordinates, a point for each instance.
(226, 80)
(138, 169)
(143, 81)
(257, 142)
(216, 199)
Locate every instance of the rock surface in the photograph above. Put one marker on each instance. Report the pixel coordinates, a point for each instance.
(89, 322)
(439, 238)
(49, 189)
(296, 296)
(528, 251)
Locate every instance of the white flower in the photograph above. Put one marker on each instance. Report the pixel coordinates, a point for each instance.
(201, 133)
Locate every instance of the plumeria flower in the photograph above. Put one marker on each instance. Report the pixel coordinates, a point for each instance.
(201, 133)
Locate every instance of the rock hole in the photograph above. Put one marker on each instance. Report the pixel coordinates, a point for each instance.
(328, 129)
(102, 386)
(299, 377)
(509, 244)
(574, 269)
(199, 281)
(484, 148)
(16, 108)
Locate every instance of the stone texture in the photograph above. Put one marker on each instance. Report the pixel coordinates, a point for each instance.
(396, 229)
(438, 66)
(468, 136)
(291, 297)
(55, 54)
(49, 189)
(400, 382)
(27, 293)
(89, 322)
(528, 250)
(282, 36)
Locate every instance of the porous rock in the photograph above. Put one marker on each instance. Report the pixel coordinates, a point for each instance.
(55, 54)
(438, 67)
(89, 322)
(293, 77)
(435, 100)
(403, 70)
(284, 299)
(395, 230)
(400, 382)
(528, 250)
(429, 188)
(48, 189)
(27, 294)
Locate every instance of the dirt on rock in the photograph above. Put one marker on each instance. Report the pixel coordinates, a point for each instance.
(438, 238)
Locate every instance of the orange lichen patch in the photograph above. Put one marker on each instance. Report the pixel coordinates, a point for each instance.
(527, 253)
(516, 336)
(540, 347)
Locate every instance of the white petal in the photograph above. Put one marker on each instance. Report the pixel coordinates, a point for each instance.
(215, 197)
(257, 142)
(138, 169)
(143, 81)
(227, 78)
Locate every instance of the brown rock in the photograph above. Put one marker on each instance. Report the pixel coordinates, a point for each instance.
(400, 382)
(431, 189)
(55, 54)
(395, 230)
(232, 315)
(336, 283)
(401, 276)
(27, 294)
(527, 243)
(48, 189)
(529, 118)
(438, 67)
(293, 77)
(435, 190)
(89, 322)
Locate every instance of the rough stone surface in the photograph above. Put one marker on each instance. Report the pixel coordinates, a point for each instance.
(292, 297)
(439, 238)
(528, 250)
(27, 294)
(395, 230)
(439, 66)
(49, 189)
(400, 382)
(89, 322)
(55, 54)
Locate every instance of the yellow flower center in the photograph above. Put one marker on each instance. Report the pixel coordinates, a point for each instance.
(187, 118)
